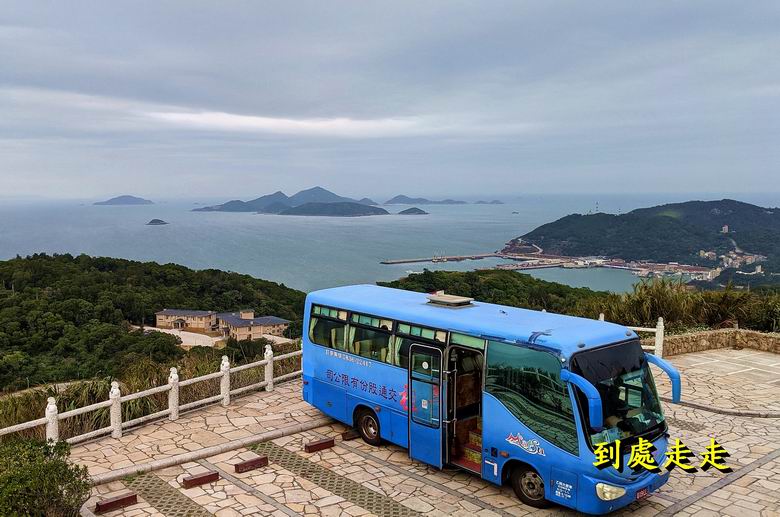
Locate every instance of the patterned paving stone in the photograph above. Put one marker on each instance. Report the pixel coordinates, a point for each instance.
(688, 425)
(164, 498)
(341, 486)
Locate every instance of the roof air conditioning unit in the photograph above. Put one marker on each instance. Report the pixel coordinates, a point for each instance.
(449, 300)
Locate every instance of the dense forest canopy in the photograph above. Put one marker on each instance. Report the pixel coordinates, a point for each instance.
(65, 317)
(497, 286)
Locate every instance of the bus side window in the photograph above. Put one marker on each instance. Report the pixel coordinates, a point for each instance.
(327, 333)
(528, 383)
(369, 343)
(402, 345)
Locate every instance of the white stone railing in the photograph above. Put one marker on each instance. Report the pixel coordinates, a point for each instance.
(115, 400)
(658, 330)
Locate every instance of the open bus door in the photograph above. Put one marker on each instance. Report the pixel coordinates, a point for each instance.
(425, 433)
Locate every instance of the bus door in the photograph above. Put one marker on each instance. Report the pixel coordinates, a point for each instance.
(425, 432)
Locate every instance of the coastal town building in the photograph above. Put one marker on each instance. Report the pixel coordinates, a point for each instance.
(186, 319)
(243, 325)
(709, 255)
(239, 325)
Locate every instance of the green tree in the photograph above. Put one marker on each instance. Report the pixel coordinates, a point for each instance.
(37, 479)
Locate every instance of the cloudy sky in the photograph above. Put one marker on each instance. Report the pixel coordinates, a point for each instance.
(237, 99)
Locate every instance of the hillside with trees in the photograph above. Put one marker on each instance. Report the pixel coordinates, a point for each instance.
(64, 318)
(681, 307)
(668, 233)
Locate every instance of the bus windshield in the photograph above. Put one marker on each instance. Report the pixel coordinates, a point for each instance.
(629, 399)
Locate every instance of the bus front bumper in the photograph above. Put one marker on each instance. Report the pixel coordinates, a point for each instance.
(600, 500)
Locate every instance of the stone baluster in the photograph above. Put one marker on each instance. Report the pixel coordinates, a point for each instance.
(116, 410)
(173, 394)
(659, 338)
(224, 384)
(52, 422)
(269, 368)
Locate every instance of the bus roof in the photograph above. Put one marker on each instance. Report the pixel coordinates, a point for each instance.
(560, 333)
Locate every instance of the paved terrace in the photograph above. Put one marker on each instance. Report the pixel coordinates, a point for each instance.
(725, 390)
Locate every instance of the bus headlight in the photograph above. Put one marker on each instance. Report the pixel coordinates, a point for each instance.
(609, 492)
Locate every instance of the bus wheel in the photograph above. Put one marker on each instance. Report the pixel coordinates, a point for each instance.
(368, 426)
(529, 486)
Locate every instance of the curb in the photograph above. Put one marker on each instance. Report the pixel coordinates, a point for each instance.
(731, 412)
(207, 452)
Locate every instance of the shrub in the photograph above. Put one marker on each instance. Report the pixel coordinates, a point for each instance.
(36, 479)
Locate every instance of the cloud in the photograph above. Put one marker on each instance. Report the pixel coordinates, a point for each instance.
(333, 127)
(503, 97)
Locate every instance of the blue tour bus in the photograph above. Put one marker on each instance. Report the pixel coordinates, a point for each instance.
(513, 395)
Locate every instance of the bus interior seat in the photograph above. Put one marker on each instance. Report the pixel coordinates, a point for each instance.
(335, 342)
(362, 348)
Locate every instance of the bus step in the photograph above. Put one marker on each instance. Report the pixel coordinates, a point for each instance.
(475, 437)
(473, 453)
(467, 464)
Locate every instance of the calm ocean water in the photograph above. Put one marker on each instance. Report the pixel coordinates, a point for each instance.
(308, 253)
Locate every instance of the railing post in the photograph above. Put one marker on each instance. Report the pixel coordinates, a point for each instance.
(659, 338)
(116, 410)
(601, 316)
(52, 422)
(269, 368)
(224, 384)
(173, 394)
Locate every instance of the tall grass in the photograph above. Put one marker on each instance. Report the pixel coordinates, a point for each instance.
(683, 308)
(30, 404)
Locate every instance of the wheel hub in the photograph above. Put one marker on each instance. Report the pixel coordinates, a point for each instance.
(532, 485)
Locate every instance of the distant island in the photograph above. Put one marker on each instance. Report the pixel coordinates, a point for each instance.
(276, 207)
(278, 201)
(413, 211)
(493, 202)
(339, 209)
(125, 200)
(739, 241)
(406, 200)
(156, 222)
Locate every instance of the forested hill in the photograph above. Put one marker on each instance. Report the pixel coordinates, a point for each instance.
(502, 287)
(65, 317)
(673, 232)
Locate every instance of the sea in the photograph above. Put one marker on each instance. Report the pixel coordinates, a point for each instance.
(310, 253)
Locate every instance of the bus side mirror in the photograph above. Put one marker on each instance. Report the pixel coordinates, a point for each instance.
(591, 393)
(671, 371)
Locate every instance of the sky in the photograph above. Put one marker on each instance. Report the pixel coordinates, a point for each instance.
(437, 98)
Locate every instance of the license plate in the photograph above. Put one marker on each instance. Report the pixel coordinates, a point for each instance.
(641, 494)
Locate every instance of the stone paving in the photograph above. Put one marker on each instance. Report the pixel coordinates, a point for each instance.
(246, 416)
(354, 478)
(732, 380)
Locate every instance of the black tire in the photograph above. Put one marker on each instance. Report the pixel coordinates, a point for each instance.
(367, 425)
(528, 486)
